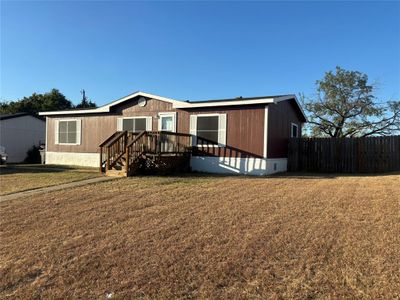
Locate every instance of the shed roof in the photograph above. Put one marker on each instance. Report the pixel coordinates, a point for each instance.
(17, 115)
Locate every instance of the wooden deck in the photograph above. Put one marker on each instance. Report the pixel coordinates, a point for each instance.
(125, 153)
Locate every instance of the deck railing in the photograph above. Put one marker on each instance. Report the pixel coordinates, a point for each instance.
(129, 147)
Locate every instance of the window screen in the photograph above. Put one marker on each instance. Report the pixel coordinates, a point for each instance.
(134, 125)
(67, 132)
(207, 128)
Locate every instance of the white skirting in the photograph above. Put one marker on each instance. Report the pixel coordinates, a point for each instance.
(234, 165)
(208, 164)
(73, 159)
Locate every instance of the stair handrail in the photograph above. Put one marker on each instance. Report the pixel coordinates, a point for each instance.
(127, 147)
(109, 142)
(105, 144)
(136, 138)
(115, 149)
(129, 154)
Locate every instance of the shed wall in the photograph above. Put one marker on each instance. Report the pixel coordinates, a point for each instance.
(19, 134)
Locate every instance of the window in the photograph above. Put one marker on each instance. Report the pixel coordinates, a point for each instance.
(68, 132)
(294, 131)
(134, 124)
(210, 127)
(207, 128)
(167, 121)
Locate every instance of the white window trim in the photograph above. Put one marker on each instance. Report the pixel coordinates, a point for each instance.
(218, 145)
(78, 133)
(291, 131)
(265, 152)
(47, 133)
(135, 117)
(167, 114)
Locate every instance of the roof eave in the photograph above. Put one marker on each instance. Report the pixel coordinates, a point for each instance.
(106, 108)
(74, 112)
(20, 115)
(224, 103)
(177, 104)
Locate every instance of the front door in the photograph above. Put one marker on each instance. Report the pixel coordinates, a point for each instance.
(167, 123)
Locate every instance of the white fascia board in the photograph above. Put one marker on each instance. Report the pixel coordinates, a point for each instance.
(175, 104)
(106, 108)
(147, 95)
(73, 112)
(279, 99)
(223, 103)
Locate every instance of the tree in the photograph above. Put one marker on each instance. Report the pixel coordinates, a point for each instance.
(53, 100)
(85, 103)
(345, 106)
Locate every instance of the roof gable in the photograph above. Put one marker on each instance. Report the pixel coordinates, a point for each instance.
(182, 104)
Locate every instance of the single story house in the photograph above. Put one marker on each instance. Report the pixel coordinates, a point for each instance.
(243, 135)
(19, 132)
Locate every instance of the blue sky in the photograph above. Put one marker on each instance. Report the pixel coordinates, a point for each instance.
(194, 50)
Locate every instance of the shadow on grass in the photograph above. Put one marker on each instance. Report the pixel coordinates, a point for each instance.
(305, 175)
(288, 175)
(32, 168)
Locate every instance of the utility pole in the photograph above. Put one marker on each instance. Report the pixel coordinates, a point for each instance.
(84, 99)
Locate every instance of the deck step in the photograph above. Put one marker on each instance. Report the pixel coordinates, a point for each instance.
(116, 173)
(126, 154)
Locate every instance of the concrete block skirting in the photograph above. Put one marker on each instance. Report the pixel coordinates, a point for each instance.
(235, 165)
(73, 159)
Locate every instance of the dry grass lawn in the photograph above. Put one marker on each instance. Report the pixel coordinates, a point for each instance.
(21, 178)
(207, 238)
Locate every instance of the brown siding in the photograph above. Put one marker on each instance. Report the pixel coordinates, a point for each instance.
(97, 128)
(280, 117)
(244, 130)
(245, 127)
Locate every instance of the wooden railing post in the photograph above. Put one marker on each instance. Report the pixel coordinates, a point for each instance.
(101, 159)
(127, 160)
(124, 145)
(108, 159)
(161, 139)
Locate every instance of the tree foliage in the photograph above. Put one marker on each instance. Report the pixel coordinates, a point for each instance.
(33, 155)
(85, 103)
(345, 106)
(53, 100)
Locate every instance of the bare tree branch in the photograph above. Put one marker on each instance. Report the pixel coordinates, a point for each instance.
(345, 106)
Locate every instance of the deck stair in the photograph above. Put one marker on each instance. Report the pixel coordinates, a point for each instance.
(125, 153)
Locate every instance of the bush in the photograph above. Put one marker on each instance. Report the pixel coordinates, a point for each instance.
(33, 156)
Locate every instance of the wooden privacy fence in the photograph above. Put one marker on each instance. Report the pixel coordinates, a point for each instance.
(345, 155)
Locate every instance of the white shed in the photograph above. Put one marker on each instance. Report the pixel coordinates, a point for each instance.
(19, 132)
